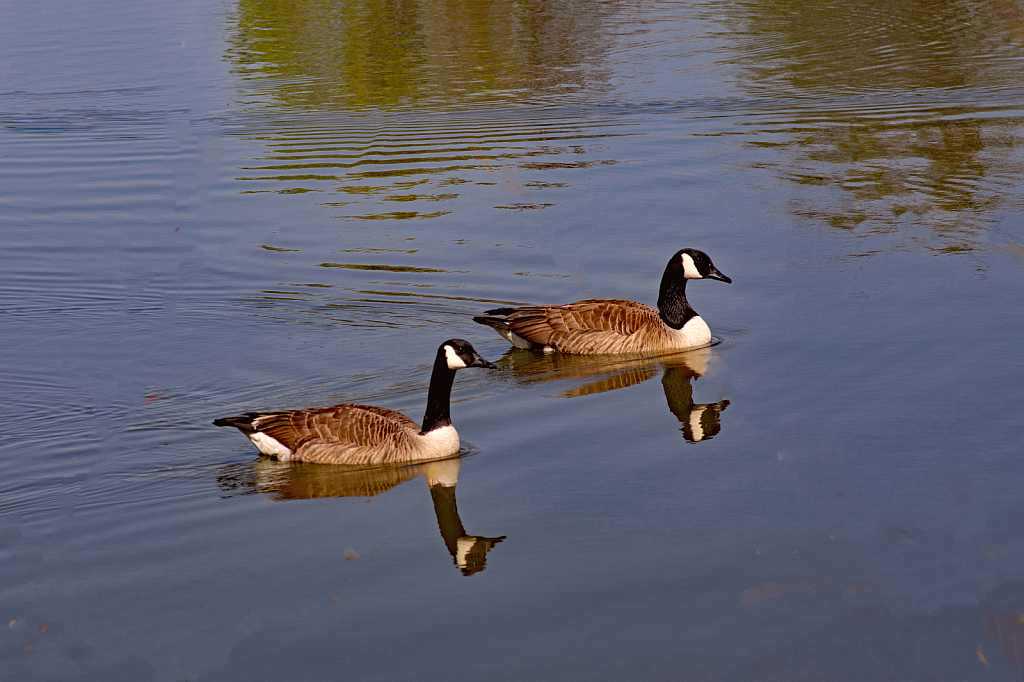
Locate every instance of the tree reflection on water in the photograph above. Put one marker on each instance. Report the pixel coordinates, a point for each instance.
(376, 53)
(908, 108)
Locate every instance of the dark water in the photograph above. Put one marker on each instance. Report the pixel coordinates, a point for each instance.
(211, 208)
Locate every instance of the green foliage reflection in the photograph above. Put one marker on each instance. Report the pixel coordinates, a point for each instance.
(385, 53)
(907, 107)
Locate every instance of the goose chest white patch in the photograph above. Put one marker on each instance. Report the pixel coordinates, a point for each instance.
(694, 334)
(454, 361)
(440, 442)
(690, 270)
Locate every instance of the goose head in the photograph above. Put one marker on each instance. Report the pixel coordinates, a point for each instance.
(459, 354)
(696, 265)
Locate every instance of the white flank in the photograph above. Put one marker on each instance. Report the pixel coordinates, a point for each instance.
(696, 430)
(690, 268)
(515, 339)
(464, 546)
(438, 443)
(454, 361)
(269, 446)
(694, 334)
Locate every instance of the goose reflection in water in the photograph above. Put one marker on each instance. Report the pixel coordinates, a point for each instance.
(700, 421)
(303, 481)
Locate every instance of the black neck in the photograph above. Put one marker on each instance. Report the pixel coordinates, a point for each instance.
(672, 305)
(439, 396)
(448, 520)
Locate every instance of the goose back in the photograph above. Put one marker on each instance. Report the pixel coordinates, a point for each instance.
(349, 434)
(599, 326)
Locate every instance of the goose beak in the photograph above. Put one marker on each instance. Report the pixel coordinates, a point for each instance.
(480, 362)
(715, 274)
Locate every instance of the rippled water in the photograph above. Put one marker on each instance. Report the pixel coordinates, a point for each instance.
(216, 208)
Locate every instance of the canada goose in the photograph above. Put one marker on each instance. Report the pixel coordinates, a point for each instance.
(361, 434)
(615, 326)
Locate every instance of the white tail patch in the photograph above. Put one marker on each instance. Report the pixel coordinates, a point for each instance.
(514, 339)
(454, 361)
(690, 270)
(269, 446)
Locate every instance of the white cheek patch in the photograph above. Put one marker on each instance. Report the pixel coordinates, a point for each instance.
(690, 268)
(454, 361)
(696, 428)
(464, 546)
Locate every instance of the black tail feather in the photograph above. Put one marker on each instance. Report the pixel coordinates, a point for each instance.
(495, 322)
(242, 422)
(500, 311)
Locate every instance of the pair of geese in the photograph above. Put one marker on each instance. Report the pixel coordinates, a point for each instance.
(367, 435)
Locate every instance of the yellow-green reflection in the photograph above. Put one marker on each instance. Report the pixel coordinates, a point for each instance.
(909, 108)
(861, 46)
(700, 421)
(304, 481)
(422, 78)
(386, 53)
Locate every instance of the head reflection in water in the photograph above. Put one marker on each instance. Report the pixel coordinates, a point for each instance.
(302, 481)
(597, 374)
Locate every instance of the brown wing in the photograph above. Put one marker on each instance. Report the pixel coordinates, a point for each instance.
(338, 425)
(592, 326)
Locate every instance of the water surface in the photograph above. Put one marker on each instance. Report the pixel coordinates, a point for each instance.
(231, 207)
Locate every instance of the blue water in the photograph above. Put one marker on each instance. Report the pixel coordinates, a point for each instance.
(216, 208)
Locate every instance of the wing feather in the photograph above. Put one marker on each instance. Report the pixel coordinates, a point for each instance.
(591, 326)
(329, 433)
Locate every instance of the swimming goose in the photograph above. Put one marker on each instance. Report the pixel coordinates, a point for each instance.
(615, 326)
(361, 434)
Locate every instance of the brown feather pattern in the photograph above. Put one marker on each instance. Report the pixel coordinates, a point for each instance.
(364, 434)
(343, 434)
(594, 326)
(612, 327)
